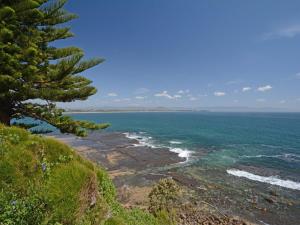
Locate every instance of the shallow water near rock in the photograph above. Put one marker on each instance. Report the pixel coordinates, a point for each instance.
(234, 160)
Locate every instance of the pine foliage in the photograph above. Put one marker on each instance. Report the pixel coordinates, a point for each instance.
(32, 70)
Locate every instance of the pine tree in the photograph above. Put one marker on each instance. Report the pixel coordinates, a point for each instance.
(35, 75)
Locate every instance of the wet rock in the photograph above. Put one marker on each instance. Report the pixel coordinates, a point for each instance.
(274, 193)
(270, 200)
(182, 216)
(290, 204)
(202, 188)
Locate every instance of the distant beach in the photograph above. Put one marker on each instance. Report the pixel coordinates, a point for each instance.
(127, 111)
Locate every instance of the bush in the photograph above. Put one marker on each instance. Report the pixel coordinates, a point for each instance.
(23, 211)
(114, 221)
(164, 196)
(165, 217)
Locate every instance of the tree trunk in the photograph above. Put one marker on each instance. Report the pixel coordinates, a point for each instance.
(5, 118)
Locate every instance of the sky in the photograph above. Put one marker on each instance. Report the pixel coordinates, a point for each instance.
(190, 53)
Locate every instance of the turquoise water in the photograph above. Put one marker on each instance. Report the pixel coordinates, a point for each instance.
(265, 140)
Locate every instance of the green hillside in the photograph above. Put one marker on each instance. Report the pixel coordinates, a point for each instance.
(43, 181)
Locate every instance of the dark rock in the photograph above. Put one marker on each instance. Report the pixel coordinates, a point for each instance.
(274, 193)
(270, 200)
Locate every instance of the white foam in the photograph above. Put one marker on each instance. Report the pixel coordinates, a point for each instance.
(143, 140)
(183, 153)
(148, 142)
(261, 156)
(270, 180)
(263, 222)
(175, 142)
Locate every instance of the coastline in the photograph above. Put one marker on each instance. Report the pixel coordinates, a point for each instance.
(118, 153)
(134, 166)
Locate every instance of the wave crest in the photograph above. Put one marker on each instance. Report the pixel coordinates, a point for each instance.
(270, 180)
(148, 142)
(175, 142)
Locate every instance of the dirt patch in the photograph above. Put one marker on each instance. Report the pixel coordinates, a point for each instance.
(132, 196)
(114, 157)
(117, 173)
(88, 195)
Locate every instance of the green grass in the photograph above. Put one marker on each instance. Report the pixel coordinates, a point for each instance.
(43, 181)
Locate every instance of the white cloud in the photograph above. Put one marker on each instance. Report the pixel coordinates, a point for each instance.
(282, 101)
(193, 99)
(246, 89)
(284, 32)
(260, 100)
(181, 92)
(219, 93)
(140, 97)
(164, 94)
(177, 96)
(264, 88)
(112, 94)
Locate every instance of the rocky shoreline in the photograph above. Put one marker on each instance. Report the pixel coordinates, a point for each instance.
(135, 168)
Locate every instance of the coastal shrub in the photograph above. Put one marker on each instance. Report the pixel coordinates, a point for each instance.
(114, 221)
(13, 135)
(24, 211)
(107, 188)
(166, 217)
(164, 196)
(136, 217)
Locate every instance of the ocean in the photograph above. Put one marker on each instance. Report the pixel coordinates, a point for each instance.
(259, 147)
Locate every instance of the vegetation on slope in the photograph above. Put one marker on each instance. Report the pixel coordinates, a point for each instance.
(43, 181)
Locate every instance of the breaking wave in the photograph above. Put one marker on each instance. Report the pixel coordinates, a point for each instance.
(270, 180)
(148, 142)
(175, 142)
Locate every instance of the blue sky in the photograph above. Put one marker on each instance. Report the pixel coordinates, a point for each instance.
(190, 53)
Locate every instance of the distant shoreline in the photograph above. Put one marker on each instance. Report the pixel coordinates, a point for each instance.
(173, 111)
(129, 111)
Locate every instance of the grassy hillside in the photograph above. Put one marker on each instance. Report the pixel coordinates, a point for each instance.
(43, 181)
